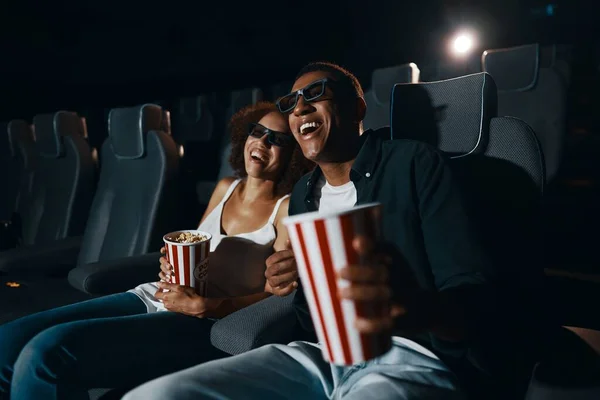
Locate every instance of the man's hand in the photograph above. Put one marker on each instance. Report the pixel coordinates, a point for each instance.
(281, 273)
(370, 287)
(184, 300)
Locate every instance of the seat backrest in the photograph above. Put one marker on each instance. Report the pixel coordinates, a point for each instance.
(458, 116)
(378, 95)
(498, 163)
(16, 162)
(193, 120)
(452, 115)
(63, 181)
(531, 92)
(134, 202)
(22, 141)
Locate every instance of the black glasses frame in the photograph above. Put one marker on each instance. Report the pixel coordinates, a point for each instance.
(274, 138)
(301, 92)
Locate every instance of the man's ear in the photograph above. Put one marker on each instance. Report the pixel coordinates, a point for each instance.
(361, 109)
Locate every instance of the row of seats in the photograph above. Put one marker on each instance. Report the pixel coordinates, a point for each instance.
(67, 216)
(525, 79)
(532, 85)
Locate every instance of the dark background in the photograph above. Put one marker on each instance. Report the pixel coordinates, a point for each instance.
(72, 54)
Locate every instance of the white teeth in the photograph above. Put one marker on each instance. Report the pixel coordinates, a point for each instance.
(307, 125)
(257, 154)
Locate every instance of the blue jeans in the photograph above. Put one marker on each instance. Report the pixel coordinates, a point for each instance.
(106, 342)
(298, 371)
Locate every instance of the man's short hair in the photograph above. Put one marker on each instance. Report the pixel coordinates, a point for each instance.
(341, 75)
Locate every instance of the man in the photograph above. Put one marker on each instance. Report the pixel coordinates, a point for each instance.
(430, 267)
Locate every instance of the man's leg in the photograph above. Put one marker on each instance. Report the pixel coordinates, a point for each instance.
(64, 361)
(273, 372)
(16, 334)
(407, 372)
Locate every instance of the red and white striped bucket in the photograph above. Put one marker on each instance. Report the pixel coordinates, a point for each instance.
(189, 260)
(322, 245)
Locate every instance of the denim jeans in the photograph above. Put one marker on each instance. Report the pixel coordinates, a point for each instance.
(106, 342)
(297, 371)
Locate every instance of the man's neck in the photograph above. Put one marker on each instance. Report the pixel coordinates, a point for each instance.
(336, 174)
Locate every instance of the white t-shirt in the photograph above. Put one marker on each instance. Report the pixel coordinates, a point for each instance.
(334, 198)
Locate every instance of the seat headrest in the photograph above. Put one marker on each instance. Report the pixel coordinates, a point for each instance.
(51, 128)
(127, 129)
(453, 115)
(513, 69)
(21, 140)
(384, 79)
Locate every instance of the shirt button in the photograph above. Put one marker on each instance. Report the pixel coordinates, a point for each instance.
(368, 174)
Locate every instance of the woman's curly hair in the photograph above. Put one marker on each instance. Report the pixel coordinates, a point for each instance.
(238, 126)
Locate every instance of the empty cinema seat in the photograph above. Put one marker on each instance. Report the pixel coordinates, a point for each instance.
(377, 96)
(135, 203)
(17, 162)
(9, 178)
(55, 208)
(533, 92)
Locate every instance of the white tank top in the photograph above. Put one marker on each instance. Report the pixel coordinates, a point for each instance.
(237, 263)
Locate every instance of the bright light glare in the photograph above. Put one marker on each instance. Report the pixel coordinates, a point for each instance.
(462, 43)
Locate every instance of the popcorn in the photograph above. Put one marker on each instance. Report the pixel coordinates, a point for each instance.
(189, 237)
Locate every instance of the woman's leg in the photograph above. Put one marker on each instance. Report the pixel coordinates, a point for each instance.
(64, 361)
(16, 334)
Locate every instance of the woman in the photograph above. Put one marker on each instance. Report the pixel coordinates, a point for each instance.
(121, 340)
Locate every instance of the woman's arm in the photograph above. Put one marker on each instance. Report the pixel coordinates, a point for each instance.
(281, 243)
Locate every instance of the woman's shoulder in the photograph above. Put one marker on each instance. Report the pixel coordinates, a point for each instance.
(282, 212)
(223, 185)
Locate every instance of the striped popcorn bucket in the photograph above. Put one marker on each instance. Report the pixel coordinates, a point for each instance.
(322, 245)
(189, 260)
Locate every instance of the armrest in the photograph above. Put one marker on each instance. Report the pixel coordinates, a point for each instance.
(45, 259)
(115, 276)
(272, 320)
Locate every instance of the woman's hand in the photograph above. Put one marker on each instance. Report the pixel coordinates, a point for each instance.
(166, 269)
(184, 300)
